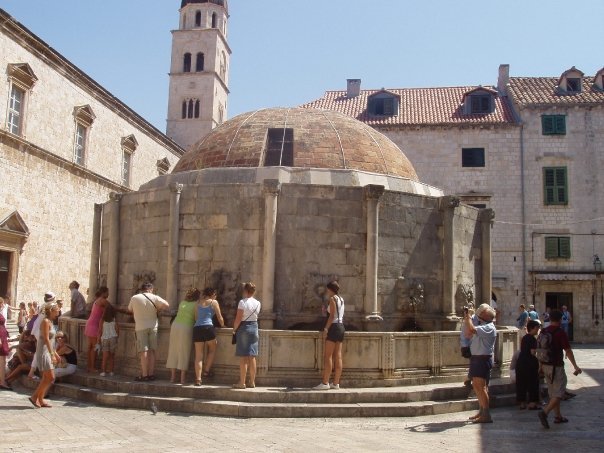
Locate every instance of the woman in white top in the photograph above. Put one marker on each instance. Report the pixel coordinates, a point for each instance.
(334, 331)
(246, 328)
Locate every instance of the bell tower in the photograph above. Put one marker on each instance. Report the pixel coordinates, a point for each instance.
(199, 71)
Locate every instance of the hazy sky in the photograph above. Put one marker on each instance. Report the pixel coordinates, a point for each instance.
(287, 52)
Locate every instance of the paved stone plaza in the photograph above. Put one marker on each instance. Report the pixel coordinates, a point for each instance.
(75, 426)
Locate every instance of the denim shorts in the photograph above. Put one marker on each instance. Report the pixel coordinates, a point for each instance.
(247, 339)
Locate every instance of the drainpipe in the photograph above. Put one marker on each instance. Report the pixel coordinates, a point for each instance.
(523, 218)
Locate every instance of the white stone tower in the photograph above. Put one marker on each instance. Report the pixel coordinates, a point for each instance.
(199, 71)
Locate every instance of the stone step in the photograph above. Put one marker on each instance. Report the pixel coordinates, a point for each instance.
(435, 392)
(265, 402)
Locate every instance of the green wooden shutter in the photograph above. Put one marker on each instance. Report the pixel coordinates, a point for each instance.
(549, 183)
(561, 188)
(564, 247)
(551, 247)
(560, 124)
(547, 124)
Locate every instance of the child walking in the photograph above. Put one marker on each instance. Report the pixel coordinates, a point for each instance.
(109, 332)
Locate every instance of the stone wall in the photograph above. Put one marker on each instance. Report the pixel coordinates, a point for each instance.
(321, 235)
(371, 359)
(435, 153)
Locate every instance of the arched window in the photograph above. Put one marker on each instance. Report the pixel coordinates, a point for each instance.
(190, 111)
(198, 19)
(197, 108)
(186, 66)
(214, 20)
(199, 62)
(184, 109)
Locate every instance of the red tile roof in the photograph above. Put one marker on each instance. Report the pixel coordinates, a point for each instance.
(527, 91)
(418, 106)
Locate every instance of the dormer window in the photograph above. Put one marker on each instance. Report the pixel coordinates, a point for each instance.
(383, 103)
(479, 101)
(570, 82)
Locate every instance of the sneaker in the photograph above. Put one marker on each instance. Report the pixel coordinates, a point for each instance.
(102, 374)
(334, 386)
(321, 386)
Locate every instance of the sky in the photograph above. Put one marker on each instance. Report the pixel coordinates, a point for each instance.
(289, 52)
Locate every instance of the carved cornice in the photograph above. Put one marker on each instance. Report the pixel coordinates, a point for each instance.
(176, 187)
(115, 196)
(374, 191)
(272, 187)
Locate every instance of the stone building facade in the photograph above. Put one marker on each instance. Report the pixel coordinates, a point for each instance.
(562, 121)
(488, 146)
(65, 144)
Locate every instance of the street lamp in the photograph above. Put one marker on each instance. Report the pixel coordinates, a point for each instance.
(597, 264)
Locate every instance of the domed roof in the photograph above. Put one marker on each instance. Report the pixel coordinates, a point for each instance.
(297, 137)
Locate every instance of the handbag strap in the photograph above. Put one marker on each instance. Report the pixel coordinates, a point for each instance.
(250, 315)
(154, 306)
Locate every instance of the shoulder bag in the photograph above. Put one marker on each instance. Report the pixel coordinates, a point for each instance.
(234, 338)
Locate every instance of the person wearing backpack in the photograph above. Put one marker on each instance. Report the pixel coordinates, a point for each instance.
(552, 343)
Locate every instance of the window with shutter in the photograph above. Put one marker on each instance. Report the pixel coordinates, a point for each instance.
(555, 186)
(557, 247)
(553, 124)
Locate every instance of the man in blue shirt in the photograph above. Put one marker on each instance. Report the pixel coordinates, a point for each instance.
(533, 313)
(522, 320)
(483, 338)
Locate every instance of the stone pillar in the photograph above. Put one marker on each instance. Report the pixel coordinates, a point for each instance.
(172, 274)
(93, 279)
(487, 216)
(114, 246)
(371, 306)
(272, 187)
(448, 204)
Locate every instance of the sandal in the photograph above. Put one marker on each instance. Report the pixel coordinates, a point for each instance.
(34, 404)
(141, 378)
(198, 383)
(45, 405)
(560, 420)
(151, 377)
(238, 386)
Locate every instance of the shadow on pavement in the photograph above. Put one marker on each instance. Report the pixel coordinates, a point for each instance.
(438, 427)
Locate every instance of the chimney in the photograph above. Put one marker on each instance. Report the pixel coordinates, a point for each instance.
(504, 79)
(353, 88)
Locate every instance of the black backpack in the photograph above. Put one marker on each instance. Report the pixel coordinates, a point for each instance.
(544, 352)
